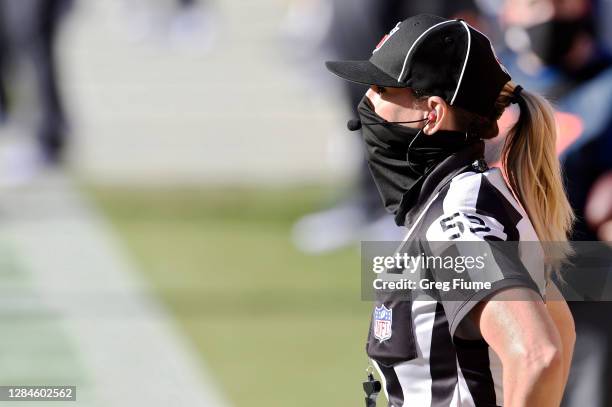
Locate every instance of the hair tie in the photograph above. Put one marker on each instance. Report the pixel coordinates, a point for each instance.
(516, 94)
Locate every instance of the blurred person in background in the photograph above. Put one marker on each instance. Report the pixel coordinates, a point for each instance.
(3, 54)
(194, 20)
(555, 51)
(355, 26)
(28, 31)
(190, 24)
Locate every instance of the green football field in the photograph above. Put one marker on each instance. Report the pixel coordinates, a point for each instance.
(274, 326)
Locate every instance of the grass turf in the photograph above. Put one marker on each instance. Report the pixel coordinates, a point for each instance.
(276, 327)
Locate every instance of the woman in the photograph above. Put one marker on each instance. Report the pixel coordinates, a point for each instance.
(437, 90)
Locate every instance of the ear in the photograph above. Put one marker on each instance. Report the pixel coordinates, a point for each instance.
(438, 106)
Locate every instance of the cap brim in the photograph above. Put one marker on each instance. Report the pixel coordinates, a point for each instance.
(363, 72)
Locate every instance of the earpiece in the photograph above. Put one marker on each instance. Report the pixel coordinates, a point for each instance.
(432, 116)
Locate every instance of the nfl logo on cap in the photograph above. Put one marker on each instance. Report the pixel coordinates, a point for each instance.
(386, 37)
(383, 317)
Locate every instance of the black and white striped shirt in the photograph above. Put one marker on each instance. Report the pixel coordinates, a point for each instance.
(431, 358)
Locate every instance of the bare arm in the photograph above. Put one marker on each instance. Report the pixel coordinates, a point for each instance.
(518, 327)
(562, 317)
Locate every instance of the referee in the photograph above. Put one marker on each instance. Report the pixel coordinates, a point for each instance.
(436, 92)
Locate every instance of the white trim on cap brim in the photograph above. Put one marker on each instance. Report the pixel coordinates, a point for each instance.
(467, 56)
(399, 79)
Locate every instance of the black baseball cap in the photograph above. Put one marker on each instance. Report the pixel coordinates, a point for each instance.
(436, 56)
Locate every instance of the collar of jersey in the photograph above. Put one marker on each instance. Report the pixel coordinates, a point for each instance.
(457, 163)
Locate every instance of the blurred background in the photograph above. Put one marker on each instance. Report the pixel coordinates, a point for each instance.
(181, 204)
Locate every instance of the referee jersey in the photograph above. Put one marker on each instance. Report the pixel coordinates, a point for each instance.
(433, 355)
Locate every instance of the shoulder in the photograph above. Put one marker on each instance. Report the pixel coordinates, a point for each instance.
(474, 206)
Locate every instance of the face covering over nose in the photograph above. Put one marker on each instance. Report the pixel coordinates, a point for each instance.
(552, 40)
(400, 157)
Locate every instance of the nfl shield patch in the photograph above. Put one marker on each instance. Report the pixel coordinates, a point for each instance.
(383, 318)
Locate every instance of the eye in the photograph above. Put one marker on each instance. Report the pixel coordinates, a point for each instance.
(380, 90)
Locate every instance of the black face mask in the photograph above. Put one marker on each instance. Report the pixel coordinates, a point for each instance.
(552, 40)
(401, 157)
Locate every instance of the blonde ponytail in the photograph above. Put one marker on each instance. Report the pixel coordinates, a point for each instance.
(533, 171)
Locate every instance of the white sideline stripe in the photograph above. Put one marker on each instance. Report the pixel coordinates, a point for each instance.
(130, 348)
(414, 44)
(467, 56)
